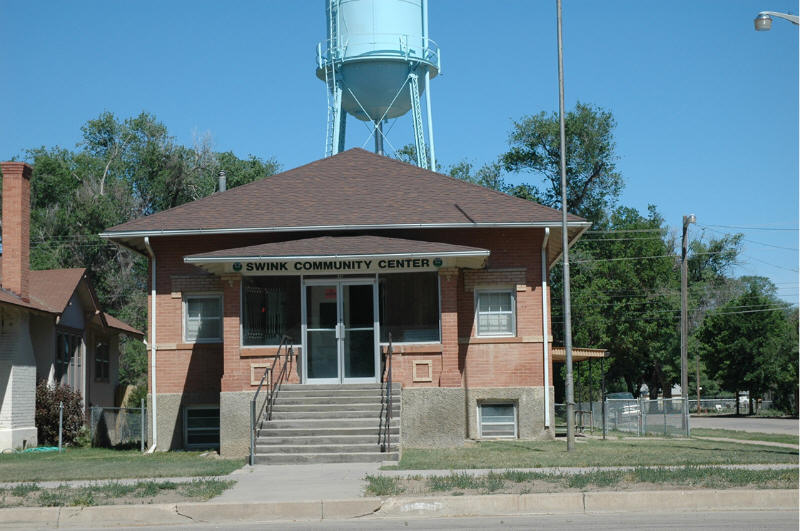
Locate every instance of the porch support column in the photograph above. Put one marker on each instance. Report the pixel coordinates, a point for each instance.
(448, 281)
(231, 292)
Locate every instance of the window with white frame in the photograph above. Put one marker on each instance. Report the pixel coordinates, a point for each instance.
(495, 312)
(202, 318)
(498, 420)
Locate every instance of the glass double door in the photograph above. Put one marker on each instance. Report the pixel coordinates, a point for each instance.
(340, 331)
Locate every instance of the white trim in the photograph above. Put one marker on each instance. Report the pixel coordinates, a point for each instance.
(507, 290)
(203, 295)
(545, 345)
(200, 259)
(193, 232)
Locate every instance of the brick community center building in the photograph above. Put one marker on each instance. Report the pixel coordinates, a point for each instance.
(341, 255)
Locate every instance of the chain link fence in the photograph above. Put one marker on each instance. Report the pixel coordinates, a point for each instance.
(118, 427)
(641, 417)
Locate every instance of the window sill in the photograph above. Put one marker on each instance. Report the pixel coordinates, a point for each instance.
(262, 351)
(412, 348)
(486, 340)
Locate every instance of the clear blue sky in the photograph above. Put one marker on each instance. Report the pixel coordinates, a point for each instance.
(707, 108)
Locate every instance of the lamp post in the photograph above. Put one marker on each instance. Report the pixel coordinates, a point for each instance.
(570, 398)
(763, 21)
(685, 324)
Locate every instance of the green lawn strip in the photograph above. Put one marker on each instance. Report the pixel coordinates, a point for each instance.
(746, 435)
(524, 481)
(627, 452)
(31, 495)
(100, 463)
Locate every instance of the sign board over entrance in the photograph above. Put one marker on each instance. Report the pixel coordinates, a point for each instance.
(335, 266)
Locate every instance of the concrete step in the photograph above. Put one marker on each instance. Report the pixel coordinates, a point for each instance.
(293, 393)
(372, 431)
(333, 409)
(318, 448)
(333, 387)
(359, 457)
(299, 440)
(361, 413)
(373, 423)
(298, 398)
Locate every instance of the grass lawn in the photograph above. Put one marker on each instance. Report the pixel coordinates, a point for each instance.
(31, 495)
(630, 452)
(746, 435)
(100, 463)
(521, 482)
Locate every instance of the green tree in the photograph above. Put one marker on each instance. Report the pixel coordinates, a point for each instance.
(747, 343)
(121, 170)
(593, 181)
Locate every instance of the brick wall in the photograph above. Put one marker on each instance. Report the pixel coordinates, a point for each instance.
(460, 359)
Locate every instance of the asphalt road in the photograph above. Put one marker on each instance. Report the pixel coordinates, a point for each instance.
(763, 425)
(772, 520)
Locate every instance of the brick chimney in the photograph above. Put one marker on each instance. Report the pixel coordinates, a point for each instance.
(16, 227)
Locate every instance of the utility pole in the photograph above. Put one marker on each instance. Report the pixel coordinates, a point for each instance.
(697, 365)
(685, 324)
(565, 245)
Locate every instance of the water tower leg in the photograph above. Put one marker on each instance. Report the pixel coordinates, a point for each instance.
(430, 118)
(416, 112)
(342, 128)
(379, 137)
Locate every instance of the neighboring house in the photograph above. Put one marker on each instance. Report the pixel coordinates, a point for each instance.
(344, 255)
(51, 325)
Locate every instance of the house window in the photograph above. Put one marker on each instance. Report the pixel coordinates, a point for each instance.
(498, 421)
(101, 362)
(68, 359)
(271, 309)
(201, 427)
(409, 307)
(496, 313)
(202, 318)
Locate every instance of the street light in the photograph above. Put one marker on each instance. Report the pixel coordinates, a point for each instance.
(763, 21)
(570, 398)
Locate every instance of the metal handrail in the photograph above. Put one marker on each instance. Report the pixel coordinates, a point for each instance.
(272, 391)
(386, 447)
(388, 47)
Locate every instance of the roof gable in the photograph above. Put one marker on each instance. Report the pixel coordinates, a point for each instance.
(354, 189)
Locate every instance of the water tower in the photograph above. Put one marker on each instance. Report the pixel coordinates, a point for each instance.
(376, 64)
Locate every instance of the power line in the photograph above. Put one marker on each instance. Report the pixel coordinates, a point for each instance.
(751, 228)
(759, 243)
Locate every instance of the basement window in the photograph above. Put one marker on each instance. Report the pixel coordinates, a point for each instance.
(201, 427)
(498, 420)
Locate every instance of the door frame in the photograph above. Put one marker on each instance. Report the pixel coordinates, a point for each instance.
(339, 283)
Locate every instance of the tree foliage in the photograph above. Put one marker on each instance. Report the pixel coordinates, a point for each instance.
(748, 343)
(122, 169)
(594, 184)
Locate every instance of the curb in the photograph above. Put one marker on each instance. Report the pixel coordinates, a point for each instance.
(431, 506)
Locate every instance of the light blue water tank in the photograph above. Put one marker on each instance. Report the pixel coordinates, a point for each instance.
(372, 47)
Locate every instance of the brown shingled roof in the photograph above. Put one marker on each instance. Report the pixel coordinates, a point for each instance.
(113, 322)
(51, 289)
(354, 189)
(330, 246)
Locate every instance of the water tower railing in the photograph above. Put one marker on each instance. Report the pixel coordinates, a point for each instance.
(381, 45)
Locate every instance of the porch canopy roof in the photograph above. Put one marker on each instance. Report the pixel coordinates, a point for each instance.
(340, 255)
(578, 354)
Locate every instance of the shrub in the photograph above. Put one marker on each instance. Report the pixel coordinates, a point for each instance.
(135, 397)
(47, 401)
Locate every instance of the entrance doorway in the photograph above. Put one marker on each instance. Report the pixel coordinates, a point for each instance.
(340, 331)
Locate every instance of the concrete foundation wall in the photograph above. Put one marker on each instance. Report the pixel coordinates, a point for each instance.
(170, 416)
(234, 420)
(442, 417)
